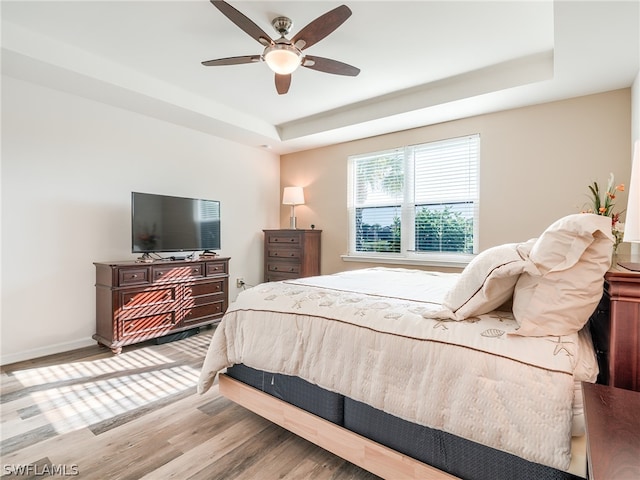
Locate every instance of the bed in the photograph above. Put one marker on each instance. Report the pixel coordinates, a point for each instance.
(410, 373)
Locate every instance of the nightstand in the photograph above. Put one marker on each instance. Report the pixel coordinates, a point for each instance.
(615, 327)
(612, 418)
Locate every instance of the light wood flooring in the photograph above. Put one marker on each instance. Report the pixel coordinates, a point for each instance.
(94, 415)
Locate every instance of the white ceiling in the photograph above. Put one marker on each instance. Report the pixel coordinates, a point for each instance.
(421, 62)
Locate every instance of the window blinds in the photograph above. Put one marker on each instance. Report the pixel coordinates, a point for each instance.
(420, 198)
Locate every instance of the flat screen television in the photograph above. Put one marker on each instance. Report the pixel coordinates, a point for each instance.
(161, 223)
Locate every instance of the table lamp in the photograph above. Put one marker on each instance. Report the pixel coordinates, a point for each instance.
(293, 196)
(632, 221)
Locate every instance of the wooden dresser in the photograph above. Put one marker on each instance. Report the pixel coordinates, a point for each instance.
(291, 254)
(136, 302)
(615, 329)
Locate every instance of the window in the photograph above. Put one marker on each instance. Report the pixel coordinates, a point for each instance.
(207, 213)
(419, 201)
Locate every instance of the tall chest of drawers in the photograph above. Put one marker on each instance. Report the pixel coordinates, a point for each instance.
(291, 254)
(136, 302)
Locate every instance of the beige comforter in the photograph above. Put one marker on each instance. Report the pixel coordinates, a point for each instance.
(363, 334)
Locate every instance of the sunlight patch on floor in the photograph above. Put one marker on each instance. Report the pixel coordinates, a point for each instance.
(133, 360)
(76, 395)
(72, 407)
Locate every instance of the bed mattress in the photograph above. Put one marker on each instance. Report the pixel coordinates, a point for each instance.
(293, 390)
(447, 452)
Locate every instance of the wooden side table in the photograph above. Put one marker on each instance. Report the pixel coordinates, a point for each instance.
(612, 417)
(615, 327)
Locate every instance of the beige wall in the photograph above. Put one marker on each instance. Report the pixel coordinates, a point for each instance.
(536, 163)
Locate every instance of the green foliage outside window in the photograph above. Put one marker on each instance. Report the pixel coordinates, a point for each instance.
(437, 230)
(443, 230)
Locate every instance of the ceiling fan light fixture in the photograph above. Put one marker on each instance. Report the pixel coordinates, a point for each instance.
(283, 59)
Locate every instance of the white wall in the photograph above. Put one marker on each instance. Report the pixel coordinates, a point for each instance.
(68, 168)
(635, 134)
(635, 108)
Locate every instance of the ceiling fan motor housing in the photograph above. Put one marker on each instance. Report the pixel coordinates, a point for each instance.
(282, 25)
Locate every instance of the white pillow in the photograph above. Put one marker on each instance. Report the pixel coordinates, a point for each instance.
(487, 282)
(571, 256)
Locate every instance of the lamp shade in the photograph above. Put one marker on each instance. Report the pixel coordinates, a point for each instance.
(632, 220)
(293, 196)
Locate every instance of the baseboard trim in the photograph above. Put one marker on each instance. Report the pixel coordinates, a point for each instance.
(44, 351)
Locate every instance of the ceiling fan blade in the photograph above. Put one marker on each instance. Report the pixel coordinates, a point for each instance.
(321, 27)
(330, 66)
(283, 82)
(243, 22)
(232, 60)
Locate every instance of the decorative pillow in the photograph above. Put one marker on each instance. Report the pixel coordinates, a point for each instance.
(487, 282)
(571, 256)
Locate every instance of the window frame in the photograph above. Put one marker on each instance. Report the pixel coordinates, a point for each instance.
(408, 255)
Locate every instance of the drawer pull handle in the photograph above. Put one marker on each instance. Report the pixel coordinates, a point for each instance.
(292, 240)
(292, 255)
(160, 274)
(195, 270)
(135, 275)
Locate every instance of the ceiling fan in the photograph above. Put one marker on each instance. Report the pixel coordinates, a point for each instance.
(284, 56)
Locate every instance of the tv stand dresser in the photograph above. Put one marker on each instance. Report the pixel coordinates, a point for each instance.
(136, 302)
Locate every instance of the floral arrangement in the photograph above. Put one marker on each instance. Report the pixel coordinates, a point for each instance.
(603, 205)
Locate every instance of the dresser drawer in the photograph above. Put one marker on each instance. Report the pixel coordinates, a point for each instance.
(147, 299)
(216, 268)
(283, 267)
(171, 274)
(283, 239)
(133, 276)
(287, 253)
(202, 312)
(148, 325)
(278, 276)
(201, 289)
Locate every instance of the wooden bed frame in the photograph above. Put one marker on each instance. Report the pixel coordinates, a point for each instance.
(357, 449)
(367, 454)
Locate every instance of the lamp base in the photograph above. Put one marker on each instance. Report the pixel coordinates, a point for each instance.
(292, 223)
(633, 266)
